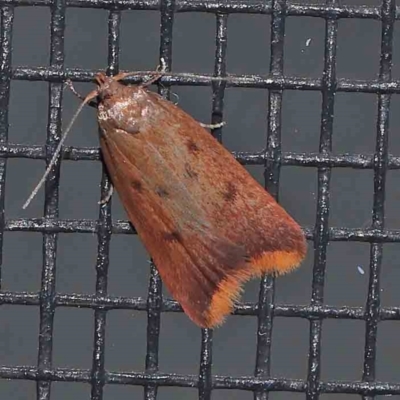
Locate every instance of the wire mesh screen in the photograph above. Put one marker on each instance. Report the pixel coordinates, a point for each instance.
(315, 126)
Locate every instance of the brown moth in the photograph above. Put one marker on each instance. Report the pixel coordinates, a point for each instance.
(206, 222)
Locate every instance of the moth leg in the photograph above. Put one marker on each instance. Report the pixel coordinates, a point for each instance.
(69, 83)
(153, 79)
(160, 71)
(213, 126)
(163, 67)
(107, 197)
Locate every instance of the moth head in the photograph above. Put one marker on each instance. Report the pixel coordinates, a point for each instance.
(107, 87)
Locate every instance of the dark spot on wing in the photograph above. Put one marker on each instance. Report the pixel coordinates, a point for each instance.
(162, 192)
(173, 236)
(192, 146)
(230, 192)
(190, 172)
(137, 185)
(247, 258)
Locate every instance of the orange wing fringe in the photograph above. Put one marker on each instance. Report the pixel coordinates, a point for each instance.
(230, 288)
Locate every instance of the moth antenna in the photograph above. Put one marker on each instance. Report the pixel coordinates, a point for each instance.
(53, 160)
(160, 71)
(71, 87)
(156, 76)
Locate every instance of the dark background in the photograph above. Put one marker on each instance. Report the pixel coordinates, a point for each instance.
(234, 345)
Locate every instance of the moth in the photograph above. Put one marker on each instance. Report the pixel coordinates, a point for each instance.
(208, 225)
